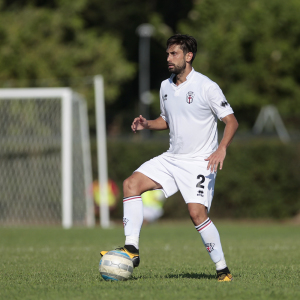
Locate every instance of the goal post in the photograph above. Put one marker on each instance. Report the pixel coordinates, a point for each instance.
(102, 150)
(45, 158)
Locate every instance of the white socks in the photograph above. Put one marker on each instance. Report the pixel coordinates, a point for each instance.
(211, 240)
(132, 219)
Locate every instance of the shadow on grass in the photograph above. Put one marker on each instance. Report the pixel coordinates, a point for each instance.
(191, 275)
(177, 275)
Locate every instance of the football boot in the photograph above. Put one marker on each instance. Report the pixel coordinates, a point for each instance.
(224, 275)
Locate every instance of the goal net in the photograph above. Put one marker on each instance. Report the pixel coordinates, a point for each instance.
(45, 163)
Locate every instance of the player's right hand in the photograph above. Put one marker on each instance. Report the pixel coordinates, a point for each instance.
(139, 123)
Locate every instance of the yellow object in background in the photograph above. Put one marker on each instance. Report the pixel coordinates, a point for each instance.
(153, 202)
(112, 190)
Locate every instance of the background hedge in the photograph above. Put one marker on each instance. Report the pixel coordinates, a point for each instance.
(260, 178)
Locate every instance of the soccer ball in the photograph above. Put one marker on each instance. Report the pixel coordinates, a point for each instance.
(115, 265)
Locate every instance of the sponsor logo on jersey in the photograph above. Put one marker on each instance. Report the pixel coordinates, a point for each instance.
(209, 247)
(190, 97)
(165, 97)
(125, 221)
(224, 103)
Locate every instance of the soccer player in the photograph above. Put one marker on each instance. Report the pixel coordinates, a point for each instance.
(190, 104)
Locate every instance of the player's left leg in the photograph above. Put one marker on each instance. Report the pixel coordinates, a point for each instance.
(196, 185)
(211, 239)
(133, 187)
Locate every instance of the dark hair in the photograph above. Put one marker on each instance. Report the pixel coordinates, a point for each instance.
(186, 43)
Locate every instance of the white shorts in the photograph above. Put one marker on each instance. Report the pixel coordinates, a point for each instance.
(189, 176)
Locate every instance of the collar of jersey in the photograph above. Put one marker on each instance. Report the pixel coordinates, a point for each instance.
(181, 84)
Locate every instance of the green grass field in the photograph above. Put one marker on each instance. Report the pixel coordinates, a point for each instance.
(52, 263)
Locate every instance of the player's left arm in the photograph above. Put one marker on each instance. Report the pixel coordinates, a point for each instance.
(219, 155)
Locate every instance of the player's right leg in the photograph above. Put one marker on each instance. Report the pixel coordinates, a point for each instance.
(133, 187)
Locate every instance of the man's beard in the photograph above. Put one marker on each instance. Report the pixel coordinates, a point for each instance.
(177, 69)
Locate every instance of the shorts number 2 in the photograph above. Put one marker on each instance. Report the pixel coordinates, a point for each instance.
(202, 179)
(200, 186)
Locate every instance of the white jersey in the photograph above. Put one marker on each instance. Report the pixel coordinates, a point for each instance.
(191, 111)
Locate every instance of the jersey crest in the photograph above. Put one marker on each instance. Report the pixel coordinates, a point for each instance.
(190, 97)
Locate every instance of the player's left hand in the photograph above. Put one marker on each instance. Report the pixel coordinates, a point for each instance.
(215, 159)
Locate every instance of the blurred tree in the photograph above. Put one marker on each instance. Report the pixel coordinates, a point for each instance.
(101, 35)
(251, 49)
(44, 47)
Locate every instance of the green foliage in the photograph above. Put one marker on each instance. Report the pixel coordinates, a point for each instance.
(251, 49)
(125, 157)
(44, 47)
(259, 178)
(52, 263)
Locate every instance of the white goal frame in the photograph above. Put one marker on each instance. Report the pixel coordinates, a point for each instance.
(102, 150)
(66, 95)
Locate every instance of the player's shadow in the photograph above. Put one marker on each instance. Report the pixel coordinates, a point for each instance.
(191, 276)
(177, 275)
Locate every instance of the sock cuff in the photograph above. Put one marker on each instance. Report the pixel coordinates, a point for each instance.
(221, 265)
(132, 198)
(203, 225)
(132, 241)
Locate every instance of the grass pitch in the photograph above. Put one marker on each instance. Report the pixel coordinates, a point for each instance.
(52, 263)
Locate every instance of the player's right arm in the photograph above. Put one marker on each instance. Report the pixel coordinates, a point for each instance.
(141, 123)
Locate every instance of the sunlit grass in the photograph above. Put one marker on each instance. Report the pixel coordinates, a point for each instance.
(52, 263)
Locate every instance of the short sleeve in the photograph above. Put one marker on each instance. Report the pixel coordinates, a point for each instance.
(162, 106)
(218, 102)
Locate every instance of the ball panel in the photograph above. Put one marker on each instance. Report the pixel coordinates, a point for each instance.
(108, 276)
(118, 253)
(112, 259)
(114, 269)
(116, 264)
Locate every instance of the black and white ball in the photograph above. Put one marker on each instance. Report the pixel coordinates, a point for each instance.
(115, 265)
